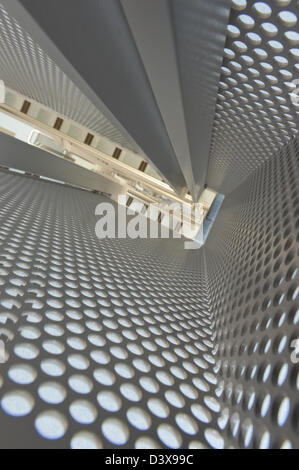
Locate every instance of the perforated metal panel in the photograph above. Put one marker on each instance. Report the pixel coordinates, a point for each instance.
(26, 68)
(109, 341)
(140, 343)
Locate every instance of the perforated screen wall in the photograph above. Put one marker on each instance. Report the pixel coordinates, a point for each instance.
(255, 115)
(140, 343)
